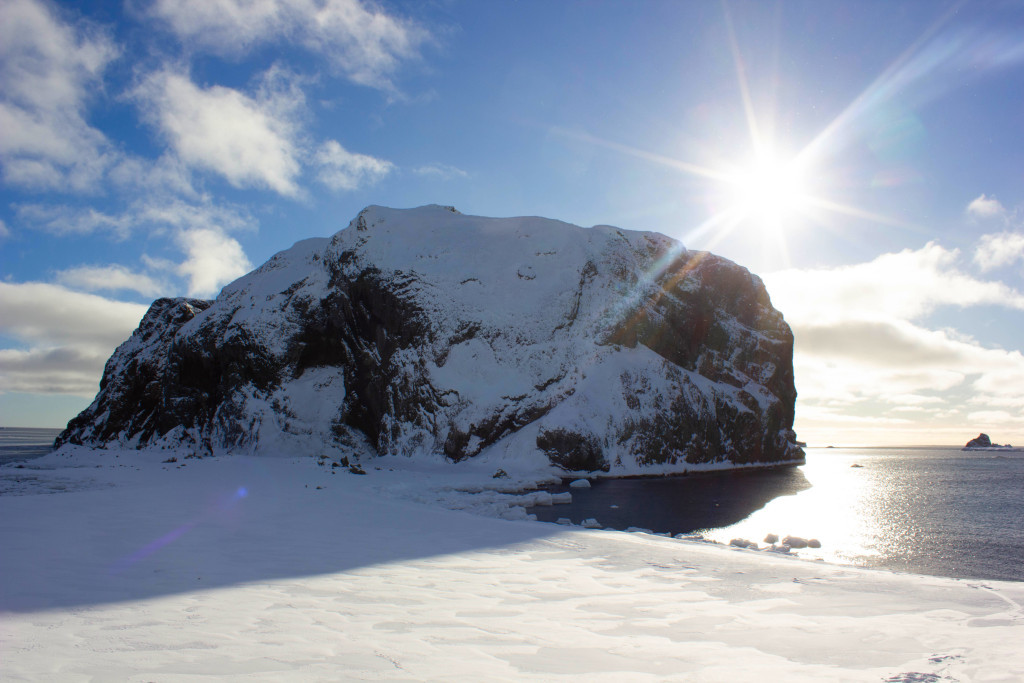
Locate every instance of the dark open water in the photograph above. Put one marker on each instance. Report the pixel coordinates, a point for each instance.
(938, 511)
(18, 444)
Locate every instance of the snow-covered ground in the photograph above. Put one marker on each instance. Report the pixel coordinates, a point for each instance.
(121, 567)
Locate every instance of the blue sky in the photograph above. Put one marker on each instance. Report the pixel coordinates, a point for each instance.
(864, 158)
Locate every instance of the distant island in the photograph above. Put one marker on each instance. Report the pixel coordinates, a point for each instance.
(982, 442)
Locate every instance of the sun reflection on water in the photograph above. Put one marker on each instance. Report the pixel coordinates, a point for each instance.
(855, 514)
(926, 510)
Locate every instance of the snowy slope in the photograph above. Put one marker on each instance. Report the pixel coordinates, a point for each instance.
(428, 333)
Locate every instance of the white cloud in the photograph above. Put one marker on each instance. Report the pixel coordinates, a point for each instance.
(1003, 388)
(892, 344)
(344, 170)
(212, 260)
(63, 370)
(886, 361)
(49, 314)
(904, 285)
(987, 207)
(251, 142)
(916, 401)
(862, 350)
(48, 71)
(111, 278)
(4, 230)
(70, 335)
(364, 43)
(983, 418)
(999, 250)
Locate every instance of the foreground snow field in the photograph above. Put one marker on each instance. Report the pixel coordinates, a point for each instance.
(125, 568)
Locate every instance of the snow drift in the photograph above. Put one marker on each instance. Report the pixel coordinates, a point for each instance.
(425, 332)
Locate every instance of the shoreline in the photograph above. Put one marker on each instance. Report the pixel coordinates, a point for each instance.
(452, 486)
(712, 471)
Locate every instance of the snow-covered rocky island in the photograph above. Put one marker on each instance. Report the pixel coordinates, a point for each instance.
(431, 351)
(426, 332)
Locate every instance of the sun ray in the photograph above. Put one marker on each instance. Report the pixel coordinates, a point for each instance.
(913, 64)
(685, 166)
(718, 226)
(741, 79)
(836, 207)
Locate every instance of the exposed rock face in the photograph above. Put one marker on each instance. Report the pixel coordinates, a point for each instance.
(425, 331)
(980, 441)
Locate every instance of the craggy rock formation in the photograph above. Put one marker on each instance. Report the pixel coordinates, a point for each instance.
(424, 332)
(980, 441)
(983, 442)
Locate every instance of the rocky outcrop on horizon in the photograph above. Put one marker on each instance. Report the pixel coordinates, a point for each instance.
(425, 332)
(983, 442)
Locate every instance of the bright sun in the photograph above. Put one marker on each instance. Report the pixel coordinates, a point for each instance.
(768, 191)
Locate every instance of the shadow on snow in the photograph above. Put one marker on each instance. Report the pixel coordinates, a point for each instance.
(240, 520)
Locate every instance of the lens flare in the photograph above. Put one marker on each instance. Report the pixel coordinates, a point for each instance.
(212, 513)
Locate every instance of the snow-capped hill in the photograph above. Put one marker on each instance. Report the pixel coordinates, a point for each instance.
(428, 332)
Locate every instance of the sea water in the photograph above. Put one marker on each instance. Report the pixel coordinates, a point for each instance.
(18, 444)
(937, 511)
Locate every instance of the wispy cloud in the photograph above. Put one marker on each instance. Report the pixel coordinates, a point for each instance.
(148, 215)
(183, 214)
(166, 176)
(49, 68)
(440, 171)
(364, 43)
(990, 416)
(340, 169)
(200, 230)
(60, 219)
(113, 278)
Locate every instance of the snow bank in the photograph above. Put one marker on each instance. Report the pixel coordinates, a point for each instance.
(261, 569)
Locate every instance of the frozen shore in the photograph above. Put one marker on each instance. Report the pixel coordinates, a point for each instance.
(127, 568)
